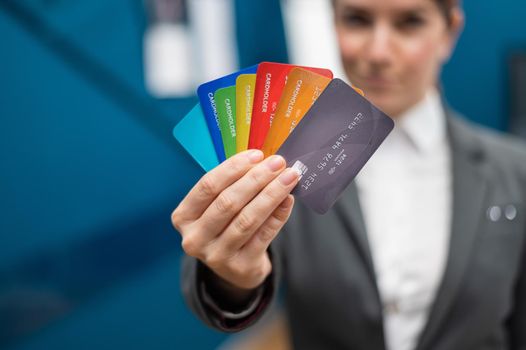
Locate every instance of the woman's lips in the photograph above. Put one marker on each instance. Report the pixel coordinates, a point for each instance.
(376, 82)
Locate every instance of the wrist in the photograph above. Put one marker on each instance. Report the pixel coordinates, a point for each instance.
(228, 295)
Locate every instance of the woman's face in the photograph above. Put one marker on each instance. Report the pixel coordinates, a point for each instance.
(393, 49)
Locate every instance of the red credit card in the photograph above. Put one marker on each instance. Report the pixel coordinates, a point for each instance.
(270, 82)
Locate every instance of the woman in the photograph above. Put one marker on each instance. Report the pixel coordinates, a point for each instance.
(425, 250)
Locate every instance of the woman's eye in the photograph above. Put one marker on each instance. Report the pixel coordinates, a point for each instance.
(411, 22)
(356, 21)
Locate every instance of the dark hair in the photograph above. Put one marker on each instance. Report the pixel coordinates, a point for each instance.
(446, 7)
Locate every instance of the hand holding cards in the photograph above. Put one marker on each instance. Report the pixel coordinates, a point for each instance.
(324, 128)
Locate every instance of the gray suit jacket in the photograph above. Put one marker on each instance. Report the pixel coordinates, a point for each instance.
(331, 297)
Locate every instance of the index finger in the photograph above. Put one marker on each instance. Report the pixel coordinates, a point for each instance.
(214, 182)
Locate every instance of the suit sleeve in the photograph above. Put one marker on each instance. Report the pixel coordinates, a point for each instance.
(216, 313)
(517, 323)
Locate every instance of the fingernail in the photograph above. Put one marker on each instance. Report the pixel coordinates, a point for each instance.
(255, 156)
(275, 163)
(288, 177)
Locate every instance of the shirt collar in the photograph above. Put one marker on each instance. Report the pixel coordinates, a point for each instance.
(424, 123)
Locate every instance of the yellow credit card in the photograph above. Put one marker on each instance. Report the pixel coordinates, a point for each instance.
(245, 85)
(302, 89)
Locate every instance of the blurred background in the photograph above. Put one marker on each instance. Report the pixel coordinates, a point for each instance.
(89, 94)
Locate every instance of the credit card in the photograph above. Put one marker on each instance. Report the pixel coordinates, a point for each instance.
(270, 82)
(332, 143)
(192, 133)
(205, 92)
(302, 89)
(245, 85)
(226, 112)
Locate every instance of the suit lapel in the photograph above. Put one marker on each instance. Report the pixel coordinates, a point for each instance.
(469, 191)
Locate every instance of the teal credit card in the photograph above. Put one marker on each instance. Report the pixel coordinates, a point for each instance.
(192, 133)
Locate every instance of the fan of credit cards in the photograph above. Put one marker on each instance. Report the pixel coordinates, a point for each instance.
(324, 128)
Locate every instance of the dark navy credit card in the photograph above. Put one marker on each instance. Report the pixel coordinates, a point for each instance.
(332, 143)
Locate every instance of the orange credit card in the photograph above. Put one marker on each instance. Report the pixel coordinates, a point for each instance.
(302, 89)
(270, 82)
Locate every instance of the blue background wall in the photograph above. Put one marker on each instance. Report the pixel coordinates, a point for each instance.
(89, 172)
(476, 78)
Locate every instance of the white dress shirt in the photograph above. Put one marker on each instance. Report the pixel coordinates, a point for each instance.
(405, 194)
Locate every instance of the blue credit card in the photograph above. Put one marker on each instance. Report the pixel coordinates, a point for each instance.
(205, 92)
(192, 133)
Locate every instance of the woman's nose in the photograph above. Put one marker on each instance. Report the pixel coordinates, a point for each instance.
(381, 45)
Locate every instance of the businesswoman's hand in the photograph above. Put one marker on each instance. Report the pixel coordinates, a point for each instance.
(233, 213)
